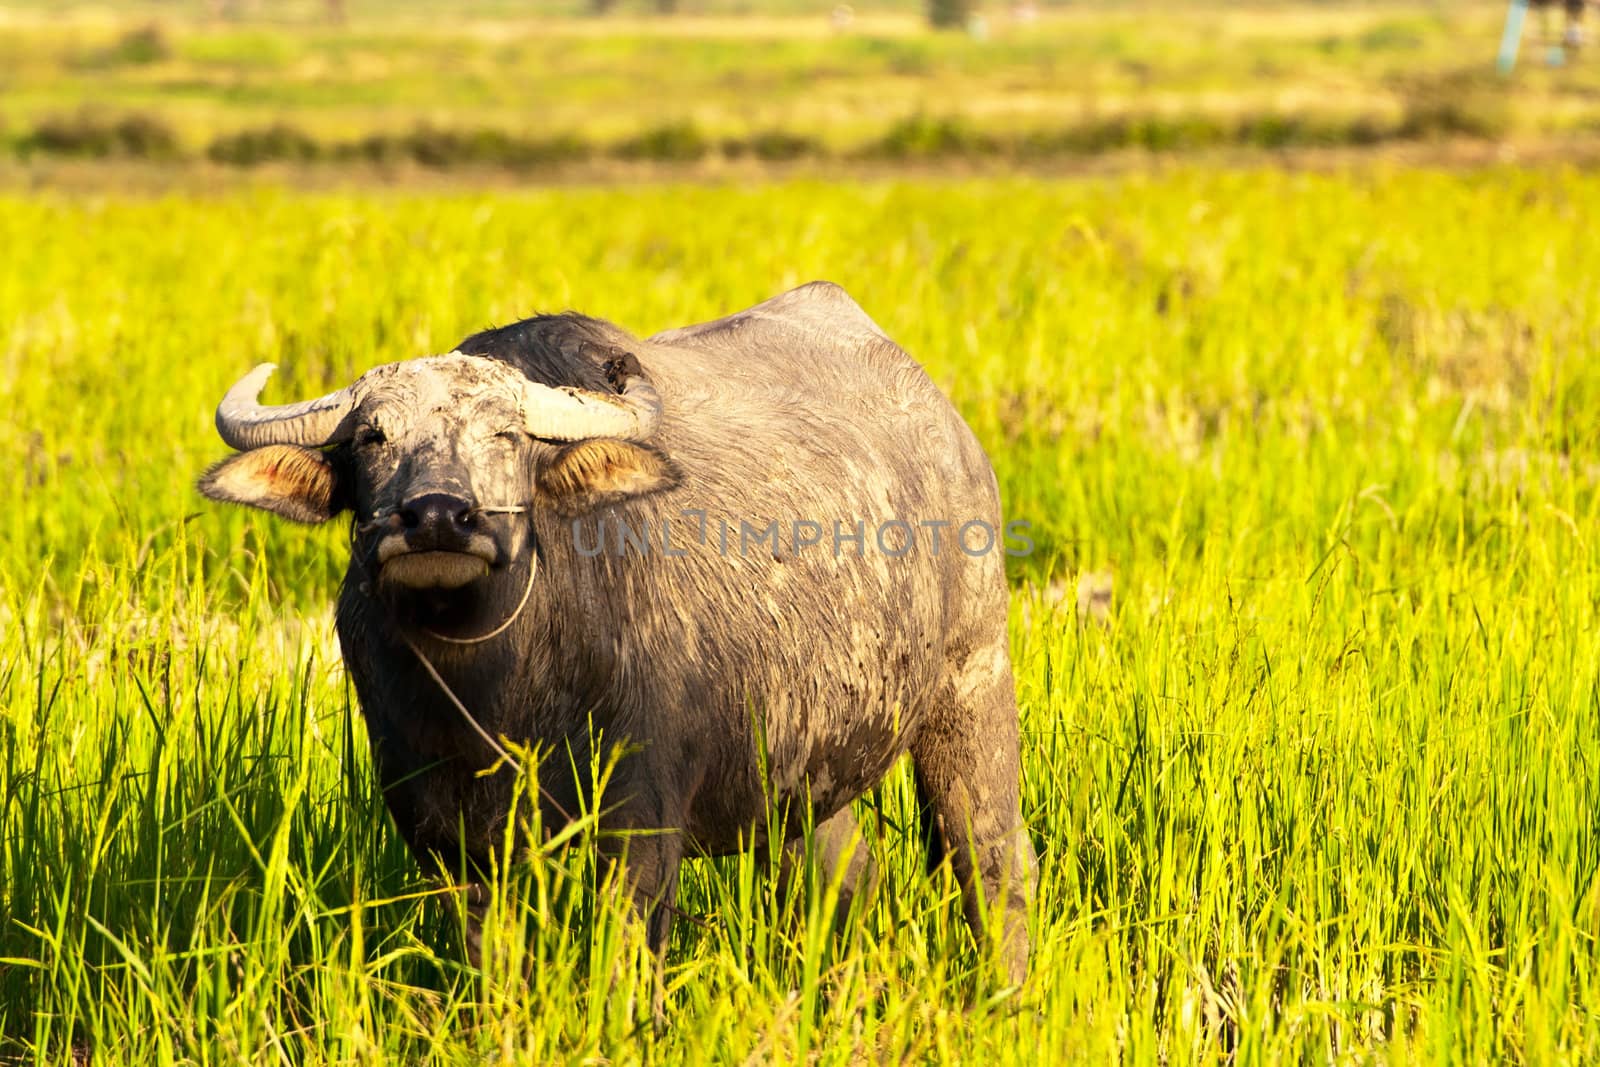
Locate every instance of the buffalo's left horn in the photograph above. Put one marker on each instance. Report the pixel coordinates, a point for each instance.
(570, 414)
(244, 423)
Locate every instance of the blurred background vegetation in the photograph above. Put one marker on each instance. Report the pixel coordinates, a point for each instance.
(562, 83)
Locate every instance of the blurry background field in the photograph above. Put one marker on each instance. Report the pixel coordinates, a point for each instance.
(1308, 653)
(540, 85)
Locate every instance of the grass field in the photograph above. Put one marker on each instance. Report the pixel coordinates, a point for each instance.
(1320, 785)
(1093, 75)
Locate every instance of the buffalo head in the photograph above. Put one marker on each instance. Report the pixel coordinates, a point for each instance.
(439, 458)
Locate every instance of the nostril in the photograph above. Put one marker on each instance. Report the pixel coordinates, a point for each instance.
(432, 514)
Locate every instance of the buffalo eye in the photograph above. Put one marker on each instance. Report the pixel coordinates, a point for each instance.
(370, 437)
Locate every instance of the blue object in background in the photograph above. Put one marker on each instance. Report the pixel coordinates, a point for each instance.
(1511, 39)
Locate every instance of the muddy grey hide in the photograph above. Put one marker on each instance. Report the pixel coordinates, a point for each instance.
(490, 489)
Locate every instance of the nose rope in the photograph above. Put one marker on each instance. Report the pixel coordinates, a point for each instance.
(378, 518)
(527, 594)
(381, 518)
(505, 758)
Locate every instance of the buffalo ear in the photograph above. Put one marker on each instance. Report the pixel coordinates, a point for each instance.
(297, 483)
(589, 474)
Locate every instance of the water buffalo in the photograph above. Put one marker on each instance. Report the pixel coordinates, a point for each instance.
(754, 549)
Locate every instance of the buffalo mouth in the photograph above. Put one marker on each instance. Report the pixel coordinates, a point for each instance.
(401, 564)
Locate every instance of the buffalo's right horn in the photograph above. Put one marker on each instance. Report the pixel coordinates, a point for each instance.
(244, 423)
(569, 414)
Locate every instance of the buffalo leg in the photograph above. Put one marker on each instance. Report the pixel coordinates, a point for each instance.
(476, 902)
(649, 862)
(843, 856)
(644, 833)
(967, 761)
(650, 851)
(653, 875)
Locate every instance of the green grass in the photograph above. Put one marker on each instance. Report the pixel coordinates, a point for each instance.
(1322, 786)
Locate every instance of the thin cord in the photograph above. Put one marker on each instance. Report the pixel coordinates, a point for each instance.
(506, 758)
(491, 509)
(462, 708)
(527, 594)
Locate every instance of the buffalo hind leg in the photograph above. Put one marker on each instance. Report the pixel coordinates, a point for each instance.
(967, 761)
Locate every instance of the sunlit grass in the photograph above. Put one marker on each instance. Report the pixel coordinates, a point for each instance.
(1321, 785)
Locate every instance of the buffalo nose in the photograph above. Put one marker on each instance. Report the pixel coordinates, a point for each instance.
(436, 516)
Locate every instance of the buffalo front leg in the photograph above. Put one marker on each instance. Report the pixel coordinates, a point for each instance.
(644, 834)
(650, 862)
(475, 909)
(843, 856)
(967, 761)
(649, 852)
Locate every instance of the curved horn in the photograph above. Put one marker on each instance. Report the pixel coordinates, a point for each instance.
(245, 424)
(570, 414)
